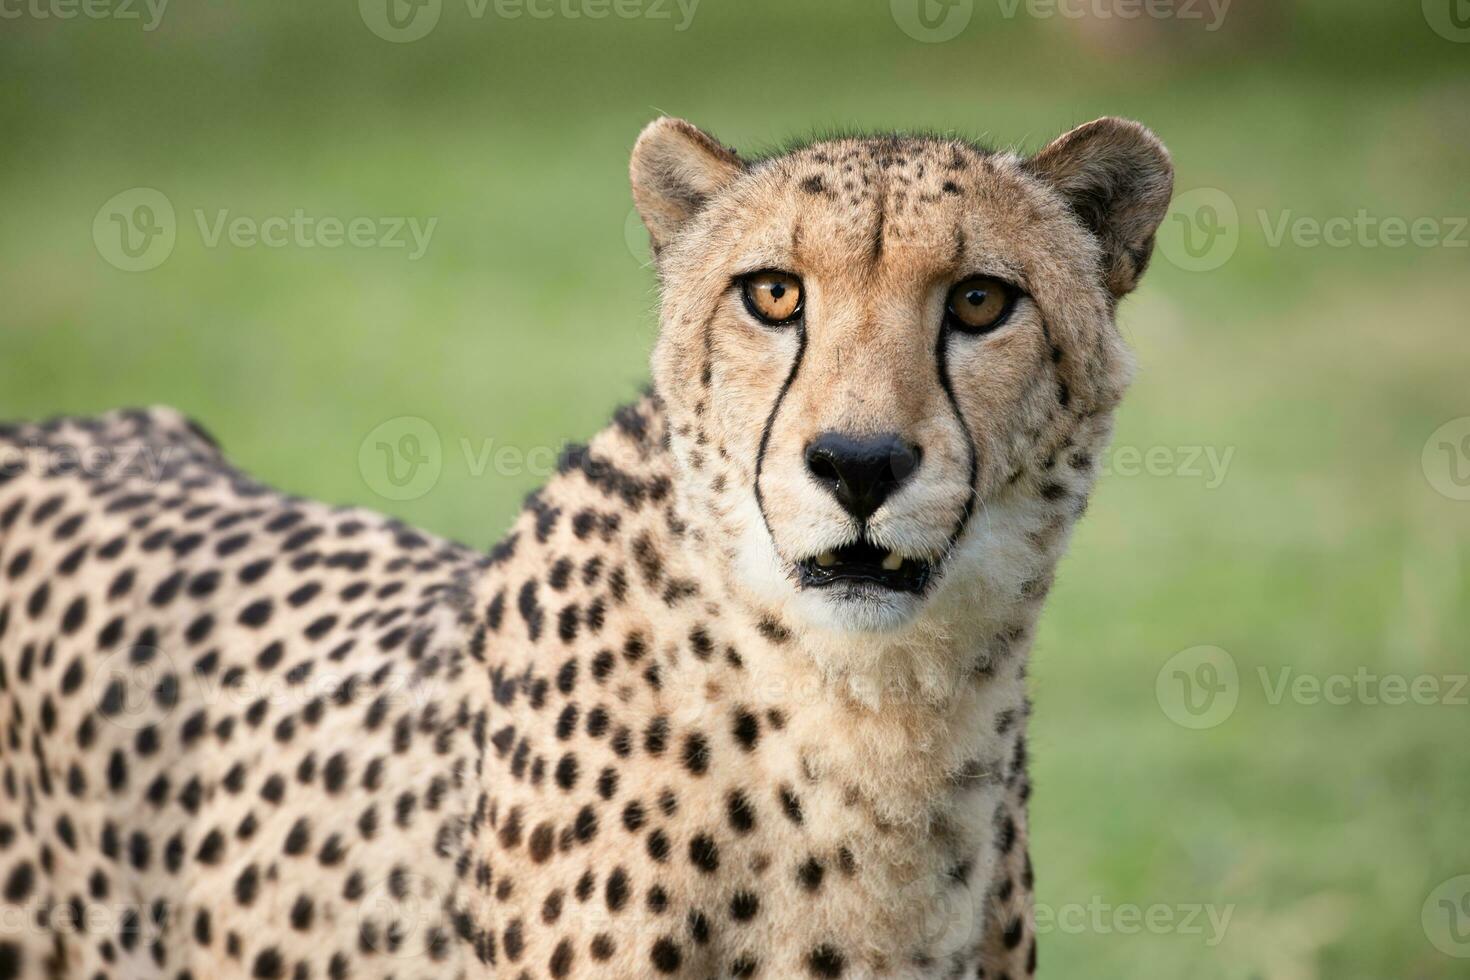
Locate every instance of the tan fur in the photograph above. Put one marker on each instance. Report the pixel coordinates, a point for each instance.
(632, 745)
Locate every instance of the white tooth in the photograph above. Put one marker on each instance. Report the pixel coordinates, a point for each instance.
(826, 559)
(893, 562)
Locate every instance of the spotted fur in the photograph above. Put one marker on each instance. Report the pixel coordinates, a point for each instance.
(245, 734)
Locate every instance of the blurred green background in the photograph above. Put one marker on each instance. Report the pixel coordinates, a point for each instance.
(1292, 468)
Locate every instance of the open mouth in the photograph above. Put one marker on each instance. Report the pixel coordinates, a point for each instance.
(865, 563)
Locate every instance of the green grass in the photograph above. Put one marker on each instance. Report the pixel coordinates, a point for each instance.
(1323, 547)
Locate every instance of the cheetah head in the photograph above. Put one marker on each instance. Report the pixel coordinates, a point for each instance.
(888, 363)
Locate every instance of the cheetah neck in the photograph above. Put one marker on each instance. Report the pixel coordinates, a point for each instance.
(905, 733)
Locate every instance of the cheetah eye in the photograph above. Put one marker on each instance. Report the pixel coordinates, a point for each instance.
(979, 304)
(774, 298)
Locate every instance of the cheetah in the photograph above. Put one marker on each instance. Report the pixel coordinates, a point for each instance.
(741, 693)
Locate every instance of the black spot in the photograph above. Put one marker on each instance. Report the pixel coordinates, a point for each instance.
(210, 848)
(541, 843)
(299, 837)
(247, 884)
(256, 614)
(513, 941)
(740, 811)
(616, 890)
(633, 816)
(746, 729)
(696, 754)
(566, 771)
(584, 827)
(75, 616)
(790, 804)
(809, 874)
(18, 884)
(666, 955)
(269, 965)
(744, 906)
(704, 854)
(561, 959)
(301, 914)
(824, 961)
(656, 736)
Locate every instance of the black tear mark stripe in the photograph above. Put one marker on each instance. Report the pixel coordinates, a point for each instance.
(707, 338)
(760, 453)
(942, 357)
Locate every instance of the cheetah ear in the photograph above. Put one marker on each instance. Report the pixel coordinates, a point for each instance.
(676, 169)
(1118, 179)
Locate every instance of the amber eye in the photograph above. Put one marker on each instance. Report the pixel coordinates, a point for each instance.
(773, 298)
(979, 304)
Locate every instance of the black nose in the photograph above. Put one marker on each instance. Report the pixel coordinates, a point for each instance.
(861, 472)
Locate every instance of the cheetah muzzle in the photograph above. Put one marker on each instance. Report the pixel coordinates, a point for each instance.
(740, 694)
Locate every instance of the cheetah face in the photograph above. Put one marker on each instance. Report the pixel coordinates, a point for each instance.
(870, 347)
